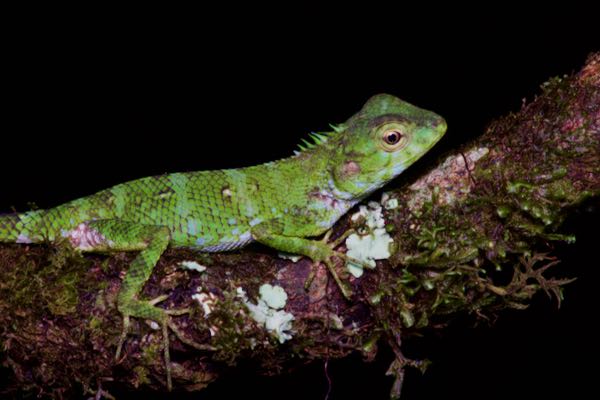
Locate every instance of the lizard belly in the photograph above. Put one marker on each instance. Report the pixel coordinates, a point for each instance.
(205, 237)
(226, 243)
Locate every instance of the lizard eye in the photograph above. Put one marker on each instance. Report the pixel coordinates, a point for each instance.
(393, 139)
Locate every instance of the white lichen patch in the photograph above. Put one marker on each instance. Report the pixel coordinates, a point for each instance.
(268, 311)
(335, 322)
(388, 202)
(153, 325)
(372, 242)
(274, 296)
(207, 301)
(451, 180)
(240, 293)
(279, 323)
(192, 265)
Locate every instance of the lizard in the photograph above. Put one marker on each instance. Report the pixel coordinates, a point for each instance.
(284, 204)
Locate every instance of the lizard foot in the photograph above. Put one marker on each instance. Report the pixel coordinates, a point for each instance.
(147, 309)
(325, 252)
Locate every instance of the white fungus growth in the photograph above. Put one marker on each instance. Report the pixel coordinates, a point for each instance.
(192, 265)
(372, 245)
(267, 311)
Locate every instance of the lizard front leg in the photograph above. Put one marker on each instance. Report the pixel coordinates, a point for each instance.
(151, 242)
(269, 233)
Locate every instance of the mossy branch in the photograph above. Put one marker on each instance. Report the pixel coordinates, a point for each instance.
(490, 210)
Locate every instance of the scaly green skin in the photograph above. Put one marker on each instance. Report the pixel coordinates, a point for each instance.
(279, 204)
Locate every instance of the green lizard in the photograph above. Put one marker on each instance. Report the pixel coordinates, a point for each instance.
(279, 204)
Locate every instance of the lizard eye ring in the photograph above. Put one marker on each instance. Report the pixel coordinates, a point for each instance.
(393, 139)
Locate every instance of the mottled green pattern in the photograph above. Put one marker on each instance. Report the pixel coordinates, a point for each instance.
(279, 204)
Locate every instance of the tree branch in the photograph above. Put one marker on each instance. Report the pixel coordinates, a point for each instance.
(490, 210)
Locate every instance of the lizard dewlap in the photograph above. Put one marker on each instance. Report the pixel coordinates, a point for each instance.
(281, 204)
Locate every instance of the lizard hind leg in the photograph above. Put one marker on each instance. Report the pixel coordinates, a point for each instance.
(151, 242)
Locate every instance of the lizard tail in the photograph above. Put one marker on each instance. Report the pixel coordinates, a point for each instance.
(38, 226)
(10, 227)
(28, 227)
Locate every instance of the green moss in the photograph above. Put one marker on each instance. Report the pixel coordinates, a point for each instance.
(370, 344)
(47, 287)
(503, 211)
(141, 376)
(236, 334)
(423, 320)
(49, 281)
(151, 352)
(407, 317)
(94, 323)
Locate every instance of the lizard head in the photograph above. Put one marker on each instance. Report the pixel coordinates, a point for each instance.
(379, 142)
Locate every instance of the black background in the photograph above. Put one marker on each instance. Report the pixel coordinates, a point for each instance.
(99, 97)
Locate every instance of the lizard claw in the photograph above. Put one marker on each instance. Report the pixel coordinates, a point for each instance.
(354, 261)
(338, 241)
(328, 248)
(122, 338)
(163, 316)
(164, 322)
(344, 288)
